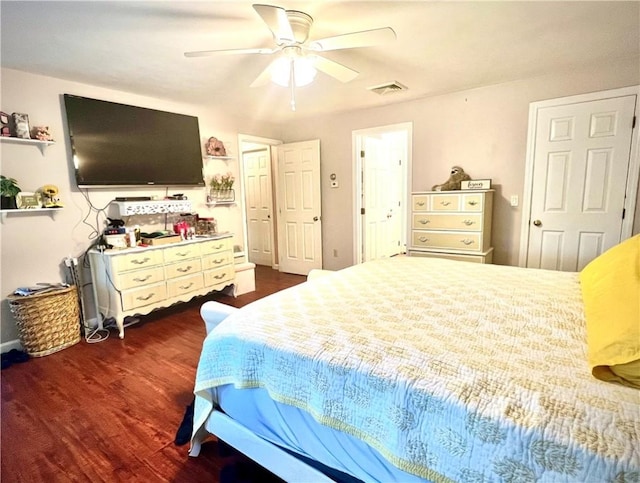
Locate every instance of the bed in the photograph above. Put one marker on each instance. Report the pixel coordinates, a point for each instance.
(417, 369)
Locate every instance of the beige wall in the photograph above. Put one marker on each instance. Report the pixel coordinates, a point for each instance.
(483, 130)
(34, 245)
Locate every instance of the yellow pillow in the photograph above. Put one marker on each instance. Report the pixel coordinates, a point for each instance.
(611, 293)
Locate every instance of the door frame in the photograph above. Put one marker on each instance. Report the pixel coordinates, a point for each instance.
(356, 141)
(269, 144)
(633, 176)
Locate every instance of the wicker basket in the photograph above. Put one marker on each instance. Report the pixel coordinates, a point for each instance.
(47, 322)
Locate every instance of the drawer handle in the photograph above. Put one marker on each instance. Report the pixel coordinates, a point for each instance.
(445, 203)
(138, 279)
(473, 203)
(420, 203)
(469, 222)
(467, 242)
(218, 247)
(185, 287)
(218, 261)
(135, 261)
(183, 254)
(222, 275)
(185, 269)
(424, 222)
(140, 297)
(423, 239)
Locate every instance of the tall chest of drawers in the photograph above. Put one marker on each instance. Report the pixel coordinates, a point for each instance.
(452, 224)
(139, 280)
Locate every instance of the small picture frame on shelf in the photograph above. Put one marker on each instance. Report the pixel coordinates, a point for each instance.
(5, 130)
(28, 201)
(20, 125)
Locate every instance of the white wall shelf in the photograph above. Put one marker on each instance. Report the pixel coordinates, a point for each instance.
(223, 158)
(220, 203)
(35, 142)
(152, 207)
(29, 211)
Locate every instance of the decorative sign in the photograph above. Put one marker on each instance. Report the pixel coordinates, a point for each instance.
(28, 200)
(476, 184)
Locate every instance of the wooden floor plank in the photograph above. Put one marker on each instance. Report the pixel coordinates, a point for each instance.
(109, 411)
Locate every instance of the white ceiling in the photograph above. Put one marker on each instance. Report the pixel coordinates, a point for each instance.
(441, 47)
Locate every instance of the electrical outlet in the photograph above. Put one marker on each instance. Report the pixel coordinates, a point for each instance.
(514, 200)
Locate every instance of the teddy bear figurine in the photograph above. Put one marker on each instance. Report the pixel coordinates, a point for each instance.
(453, 183)
(42, 133)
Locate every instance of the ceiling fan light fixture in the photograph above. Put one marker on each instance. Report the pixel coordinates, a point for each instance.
(303, 71)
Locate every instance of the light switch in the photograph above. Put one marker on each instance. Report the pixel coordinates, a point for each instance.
(514, 200)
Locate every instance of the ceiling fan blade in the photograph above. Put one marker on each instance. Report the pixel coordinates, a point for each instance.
(277, 21)
(205, 53)
(264, 78)
(366, 38)
(333, 68)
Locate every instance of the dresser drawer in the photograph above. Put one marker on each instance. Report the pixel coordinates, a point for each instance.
(183, 252)
(219, 275)
(137, 278)
(182, 285)
(445, 202)
(215, 246)
(473, 202)
(420, 202)
(135, 261)
(482, 257)
(457, 241)
(217, 260)
(146, 295)
(180, 269)
(433, 221)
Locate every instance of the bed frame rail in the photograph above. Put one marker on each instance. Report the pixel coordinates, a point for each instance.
(266, 454)
(269, 455)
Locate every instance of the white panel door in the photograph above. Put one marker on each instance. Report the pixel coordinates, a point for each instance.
(257, 174)
(581, 163)
(381, 196)
(299, 207)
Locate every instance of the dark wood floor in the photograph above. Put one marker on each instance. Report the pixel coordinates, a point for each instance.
(109, 411)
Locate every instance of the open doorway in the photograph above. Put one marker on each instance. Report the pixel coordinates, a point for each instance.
(382, 169)
(282, 200)
(260, 217)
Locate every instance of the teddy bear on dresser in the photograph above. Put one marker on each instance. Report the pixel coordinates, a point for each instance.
(453, 183)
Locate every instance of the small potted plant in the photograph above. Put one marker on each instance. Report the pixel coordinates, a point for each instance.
(9, 189)
(222, 188)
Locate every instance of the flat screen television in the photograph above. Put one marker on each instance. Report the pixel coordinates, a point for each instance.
(119, 145)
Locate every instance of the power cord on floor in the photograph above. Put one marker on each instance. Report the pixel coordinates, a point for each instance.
(91, 335)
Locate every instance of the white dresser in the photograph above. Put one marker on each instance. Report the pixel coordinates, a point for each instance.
(452, 224)
(135, 281)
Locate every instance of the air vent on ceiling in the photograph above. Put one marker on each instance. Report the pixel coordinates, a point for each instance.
(388, 88)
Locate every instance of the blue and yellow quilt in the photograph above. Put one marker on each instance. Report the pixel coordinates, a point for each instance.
(453, 371)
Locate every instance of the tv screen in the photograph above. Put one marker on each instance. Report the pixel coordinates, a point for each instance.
(118, 145)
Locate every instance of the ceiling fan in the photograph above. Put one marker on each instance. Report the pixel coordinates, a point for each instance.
(298, 57)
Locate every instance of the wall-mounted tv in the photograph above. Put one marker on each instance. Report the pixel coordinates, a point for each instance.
(119, 145)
